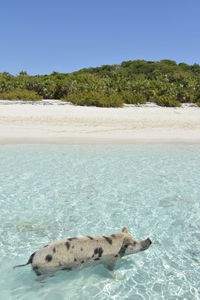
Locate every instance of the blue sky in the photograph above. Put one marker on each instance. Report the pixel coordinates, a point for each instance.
(41, 36)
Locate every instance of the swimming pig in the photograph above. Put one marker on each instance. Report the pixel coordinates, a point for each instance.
(79, 252)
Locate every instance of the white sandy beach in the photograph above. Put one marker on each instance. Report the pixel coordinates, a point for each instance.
(57, 123)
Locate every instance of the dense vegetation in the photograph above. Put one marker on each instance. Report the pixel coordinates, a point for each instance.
(134, 82)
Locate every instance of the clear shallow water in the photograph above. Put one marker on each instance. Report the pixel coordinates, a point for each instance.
(53, 192)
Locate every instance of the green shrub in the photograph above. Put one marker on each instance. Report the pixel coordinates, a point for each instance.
(43, 86)
(166, 101)
(94, 98)
(133, 97)
(198, 103)
(20, 95)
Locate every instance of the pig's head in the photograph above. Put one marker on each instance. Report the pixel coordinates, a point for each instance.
(131, 246)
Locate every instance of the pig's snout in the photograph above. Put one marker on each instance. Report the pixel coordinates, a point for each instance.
(145, 244)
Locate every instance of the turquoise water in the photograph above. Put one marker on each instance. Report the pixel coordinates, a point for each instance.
(51, 192)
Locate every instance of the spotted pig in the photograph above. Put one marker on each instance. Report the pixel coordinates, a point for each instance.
(80, 252)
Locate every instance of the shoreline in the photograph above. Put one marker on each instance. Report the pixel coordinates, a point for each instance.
(50, 122)
(85, 141)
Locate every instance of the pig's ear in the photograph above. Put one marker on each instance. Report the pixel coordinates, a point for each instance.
(125, 229)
